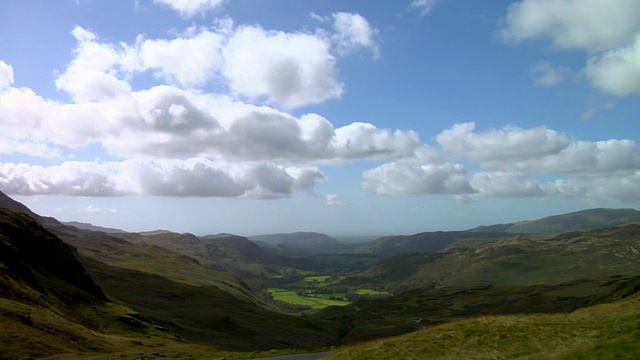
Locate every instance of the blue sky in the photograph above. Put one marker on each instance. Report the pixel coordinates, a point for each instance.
(344, 117)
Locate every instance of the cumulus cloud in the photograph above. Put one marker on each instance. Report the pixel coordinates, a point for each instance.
(513, 162)
(509, 144)
(609, 31)
(505, 184)
(191, 8)
(192, 177)
(363, 140)
(617, 71)
(590, 25)
(424, 7)
(539, 150)
(353, 31)
(92, 75)
(165, 121)
(406, 178)
(6, 75)
(37, 149)
(290, 69)
(623, 188)
(193, 60)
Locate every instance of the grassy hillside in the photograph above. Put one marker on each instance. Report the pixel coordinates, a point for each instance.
(151, 259)
(393, 315)
(423, 242)
(579, 220)
(518, 260)
(207, 314)
(226, 253)
(609, 331)
(50, 306)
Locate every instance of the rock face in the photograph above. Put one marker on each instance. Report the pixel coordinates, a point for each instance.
(31, 254)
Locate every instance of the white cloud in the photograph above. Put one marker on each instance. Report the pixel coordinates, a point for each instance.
(545, 74)
(92, 75)
(505, 184)
(591, 25)
(617, 71)
(609, 31)
(289, 69)
(191, 8)
(539, 150)
(353, 31)
(510, 144)
(402, 178)
(510, 162)
(37, 149)
(193, 60)
(192, 177)
(423, 6)
(169, 122)
(363, 140)
(6, 75)
(622, 188)
(334, 200)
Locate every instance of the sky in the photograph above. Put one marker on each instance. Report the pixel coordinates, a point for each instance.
(346, 117)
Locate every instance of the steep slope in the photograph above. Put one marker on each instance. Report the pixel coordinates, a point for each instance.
(207, 314)
(579, 220)
(49, 304)
(7, 202)
(34, 255)
(115, 251)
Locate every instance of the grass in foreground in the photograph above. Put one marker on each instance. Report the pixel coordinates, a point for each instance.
(610, 331)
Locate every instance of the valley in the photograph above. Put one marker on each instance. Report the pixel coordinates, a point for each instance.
(79, 291)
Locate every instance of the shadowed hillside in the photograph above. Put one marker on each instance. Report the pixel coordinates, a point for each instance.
(48, 303)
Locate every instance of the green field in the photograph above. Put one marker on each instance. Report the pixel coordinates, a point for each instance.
(291, 297)
(370, 292)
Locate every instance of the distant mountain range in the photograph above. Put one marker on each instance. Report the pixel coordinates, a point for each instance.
(305, 242)
(579, 220)
(512, 260)
(91, 227)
